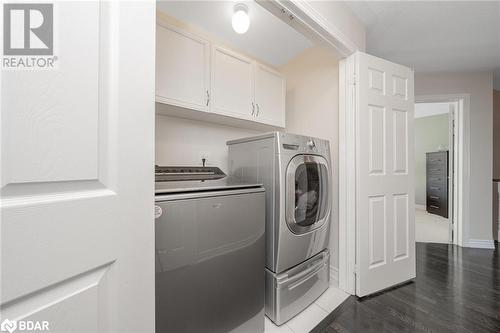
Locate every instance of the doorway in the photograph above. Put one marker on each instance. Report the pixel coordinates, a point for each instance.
(458, 163)
(434, 137)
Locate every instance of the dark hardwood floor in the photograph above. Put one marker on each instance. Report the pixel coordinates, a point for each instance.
(456, 290)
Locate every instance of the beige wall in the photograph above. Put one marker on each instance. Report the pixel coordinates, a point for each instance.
(312, 109)
(480, 87)
(496, 134)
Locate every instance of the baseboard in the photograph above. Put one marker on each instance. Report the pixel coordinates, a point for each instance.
(334, 276)
(481, 243)
(420, 207)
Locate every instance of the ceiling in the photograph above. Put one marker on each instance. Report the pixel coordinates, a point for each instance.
(434, 35)
(268, 38)
(431, 109)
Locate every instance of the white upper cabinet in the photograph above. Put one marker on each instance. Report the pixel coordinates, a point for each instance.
(182, 68)
(270, 88)
(232, 84)
(195, 74)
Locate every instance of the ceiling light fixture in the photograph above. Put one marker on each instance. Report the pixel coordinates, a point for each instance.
(241, 20)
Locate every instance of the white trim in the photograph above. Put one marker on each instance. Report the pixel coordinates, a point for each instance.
(420, 207)
(334, 276)
(452, 114)
(347, 177)
(461, 150)
(311, 23)
(481, 243)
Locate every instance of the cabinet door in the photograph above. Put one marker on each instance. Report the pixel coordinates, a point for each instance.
(182, 68)
(270, 90)
(232, 84)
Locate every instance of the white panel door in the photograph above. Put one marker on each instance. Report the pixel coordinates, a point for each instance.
(77, 152)
(270, 90)
(182, 68)
(232, 84)
(385, 231)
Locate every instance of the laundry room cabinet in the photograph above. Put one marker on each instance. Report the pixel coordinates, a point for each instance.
(195, 74)
(232, 84)
(182, 68)
(270, 92)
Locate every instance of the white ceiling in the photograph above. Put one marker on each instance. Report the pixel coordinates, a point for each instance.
(268, 38)
(434, 35)
(431, 109)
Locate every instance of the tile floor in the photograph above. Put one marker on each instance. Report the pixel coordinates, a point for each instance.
(430, 228)
(312, 315)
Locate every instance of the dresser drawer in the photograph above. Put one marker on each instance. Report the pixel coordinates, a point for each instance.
(435, 189)
(433, 209)
(437, 158)
(437, 169)
(437, 179)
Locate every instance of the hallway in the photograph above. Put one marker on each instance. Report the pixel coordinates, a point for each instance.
(430, 228)
(456, 290)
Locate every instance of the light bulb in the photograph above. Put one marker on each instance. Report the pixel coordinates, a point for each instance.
(240, 20)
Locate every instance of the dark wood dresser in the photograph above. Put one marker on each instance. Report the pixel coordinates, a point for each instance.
(437, 183)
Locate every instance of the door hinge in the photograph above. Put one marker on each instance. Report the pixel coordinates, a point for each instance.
(208, 97)
(354, 80)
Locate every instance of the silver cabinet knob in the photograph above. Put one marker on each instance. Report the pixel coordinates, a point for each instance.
(311, 144)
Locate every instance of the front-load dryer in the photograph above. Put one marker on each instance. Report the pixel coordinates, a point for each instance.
(296, 173)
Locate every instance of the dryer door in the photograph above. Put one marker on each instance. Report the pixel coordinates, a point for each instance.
(308, 193)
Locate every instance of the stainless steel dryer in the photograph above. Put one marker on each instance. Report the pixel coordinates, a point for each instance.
(295, 171)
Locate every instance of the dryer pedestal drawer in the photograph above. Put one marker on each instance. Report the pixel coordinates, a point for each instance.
(290, 292)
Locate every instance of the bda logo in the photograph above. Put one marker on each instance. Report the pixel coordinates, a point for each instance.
(28, 29)
(8, 325)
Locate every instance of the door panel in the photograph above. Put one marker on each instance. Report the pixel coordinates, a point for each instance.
(70, 209)
(385, 239)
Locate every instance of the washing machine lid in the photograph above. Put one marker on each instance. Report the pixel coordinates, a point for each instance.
(182, 179)
(200, 185)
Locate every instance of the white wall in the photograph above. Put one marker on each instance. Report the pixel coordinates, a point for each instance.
(312, 109)
(182, 141)
(480, 86)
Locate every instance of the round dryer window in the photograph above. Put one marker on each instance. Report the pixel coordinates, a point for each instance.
(307, 202)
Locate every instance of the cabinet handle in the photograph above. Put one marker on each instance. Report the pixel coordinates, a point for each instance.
(253, 108)
(208, 97)
(258, 109)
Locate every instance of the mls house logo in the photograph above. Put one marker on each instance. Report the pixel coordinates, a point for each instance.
(28, 35)
(24, 326)
(8, 326)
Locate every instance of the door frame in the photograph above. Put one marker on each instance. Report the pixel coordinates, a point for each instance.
(347, 136)
(461, 162)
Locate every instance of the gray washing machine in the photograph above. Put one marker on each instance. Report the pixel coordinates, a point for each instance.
(210, 252)
(296, 173)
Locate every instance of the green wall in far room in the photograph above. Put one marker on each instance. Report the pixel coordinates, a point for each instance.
(431, 134)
